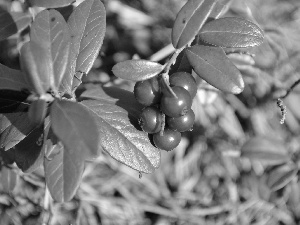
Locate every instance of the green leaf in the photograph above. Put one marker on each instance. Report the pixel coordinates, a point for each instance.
(189, 21)
(12, 22)
(212, 65)
(51, 31)
(87, 25)
(8, 179)
(14, 128)
(232, 32)
(34, 64)
(28, 154)
(75, 127)
(116, 113)
(10, 101)
(11, 79)
(220, 8)
(281, 176)
(137, 70)
(51, 3)
(63, 170)
(265, 150)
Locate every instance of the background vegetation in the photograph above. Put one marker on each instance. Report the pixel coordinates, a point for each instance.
(204, 180)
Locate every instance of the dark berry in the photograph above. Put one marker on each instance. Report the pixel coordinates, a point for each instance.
(182, 123)
(185, 80)
(176, 107)
(147, 92)
(168, 141)
(151, 120)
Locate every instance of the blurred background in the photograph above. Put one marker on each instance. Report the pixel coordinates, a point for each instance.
(228, 170)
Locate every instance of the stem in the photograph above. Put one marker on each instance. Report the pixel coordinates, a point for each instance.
(290, 89)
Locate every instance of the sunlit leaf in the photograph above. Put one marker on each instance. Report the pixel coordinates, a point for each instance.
(220, 8)
(117, 112)
(232, 32)
(189, 21)
(87, 26)
(137, 70)
(11, 79)
(12, 22)
(212, 65)
(281, 176)
(72, 123)
(51, 3)
(265, 150)
(51, 31)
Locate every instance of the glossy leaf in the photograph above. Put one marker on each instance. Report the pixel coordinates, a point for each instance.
(34, 64)
(220, 8)
(28, 154)
(51, 31)
(232, 32)
(212, 65)
(11, 79)
(117, 113)
(75, 127)
(10, 101)
(17, 127)
(87, 26)
(189, 21)
(8, 179)
(281, 176)
(12, 22)
(137, 70)
(63, 170)
(265, 150)
(51, 3)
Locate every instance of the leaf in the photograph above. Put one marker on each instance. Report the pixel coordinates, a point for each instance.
(212, 65)
(87, 25)
(34, 64)
(182, 64)
(220, 8)
(63, 170)
(51, 3)
(74, 126)
(10, 101)
(28, 154)
(11, 79)
(265, 150)
(281, 176)
(17, 127)
(232, 32)
(118, 129)
(51, 31)
(8, 179)
(137, 70)
(12, 22)
(189, 21)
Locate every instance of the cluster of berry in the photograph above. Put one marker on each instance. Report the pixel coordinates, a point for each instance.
(164, 111)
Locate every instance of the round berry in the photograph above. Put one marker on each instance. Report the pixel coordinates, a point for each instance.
(176, 107)
(168, 141)
(183, 123)
(151, 120)
(147, 92)
(185, 80)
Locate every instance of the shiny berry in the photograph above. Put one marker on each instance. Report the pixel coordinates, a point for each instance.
(168, 141)
(147, 92)
(176, 107)
(185, 80)
(151, 120)
(183, 123)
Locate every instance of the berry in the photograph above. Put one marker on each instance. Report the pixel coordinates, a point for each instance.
(176, 107)
(147, 92)
(168, 141)
(182, 123)
(151, 120)
(185, 80)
